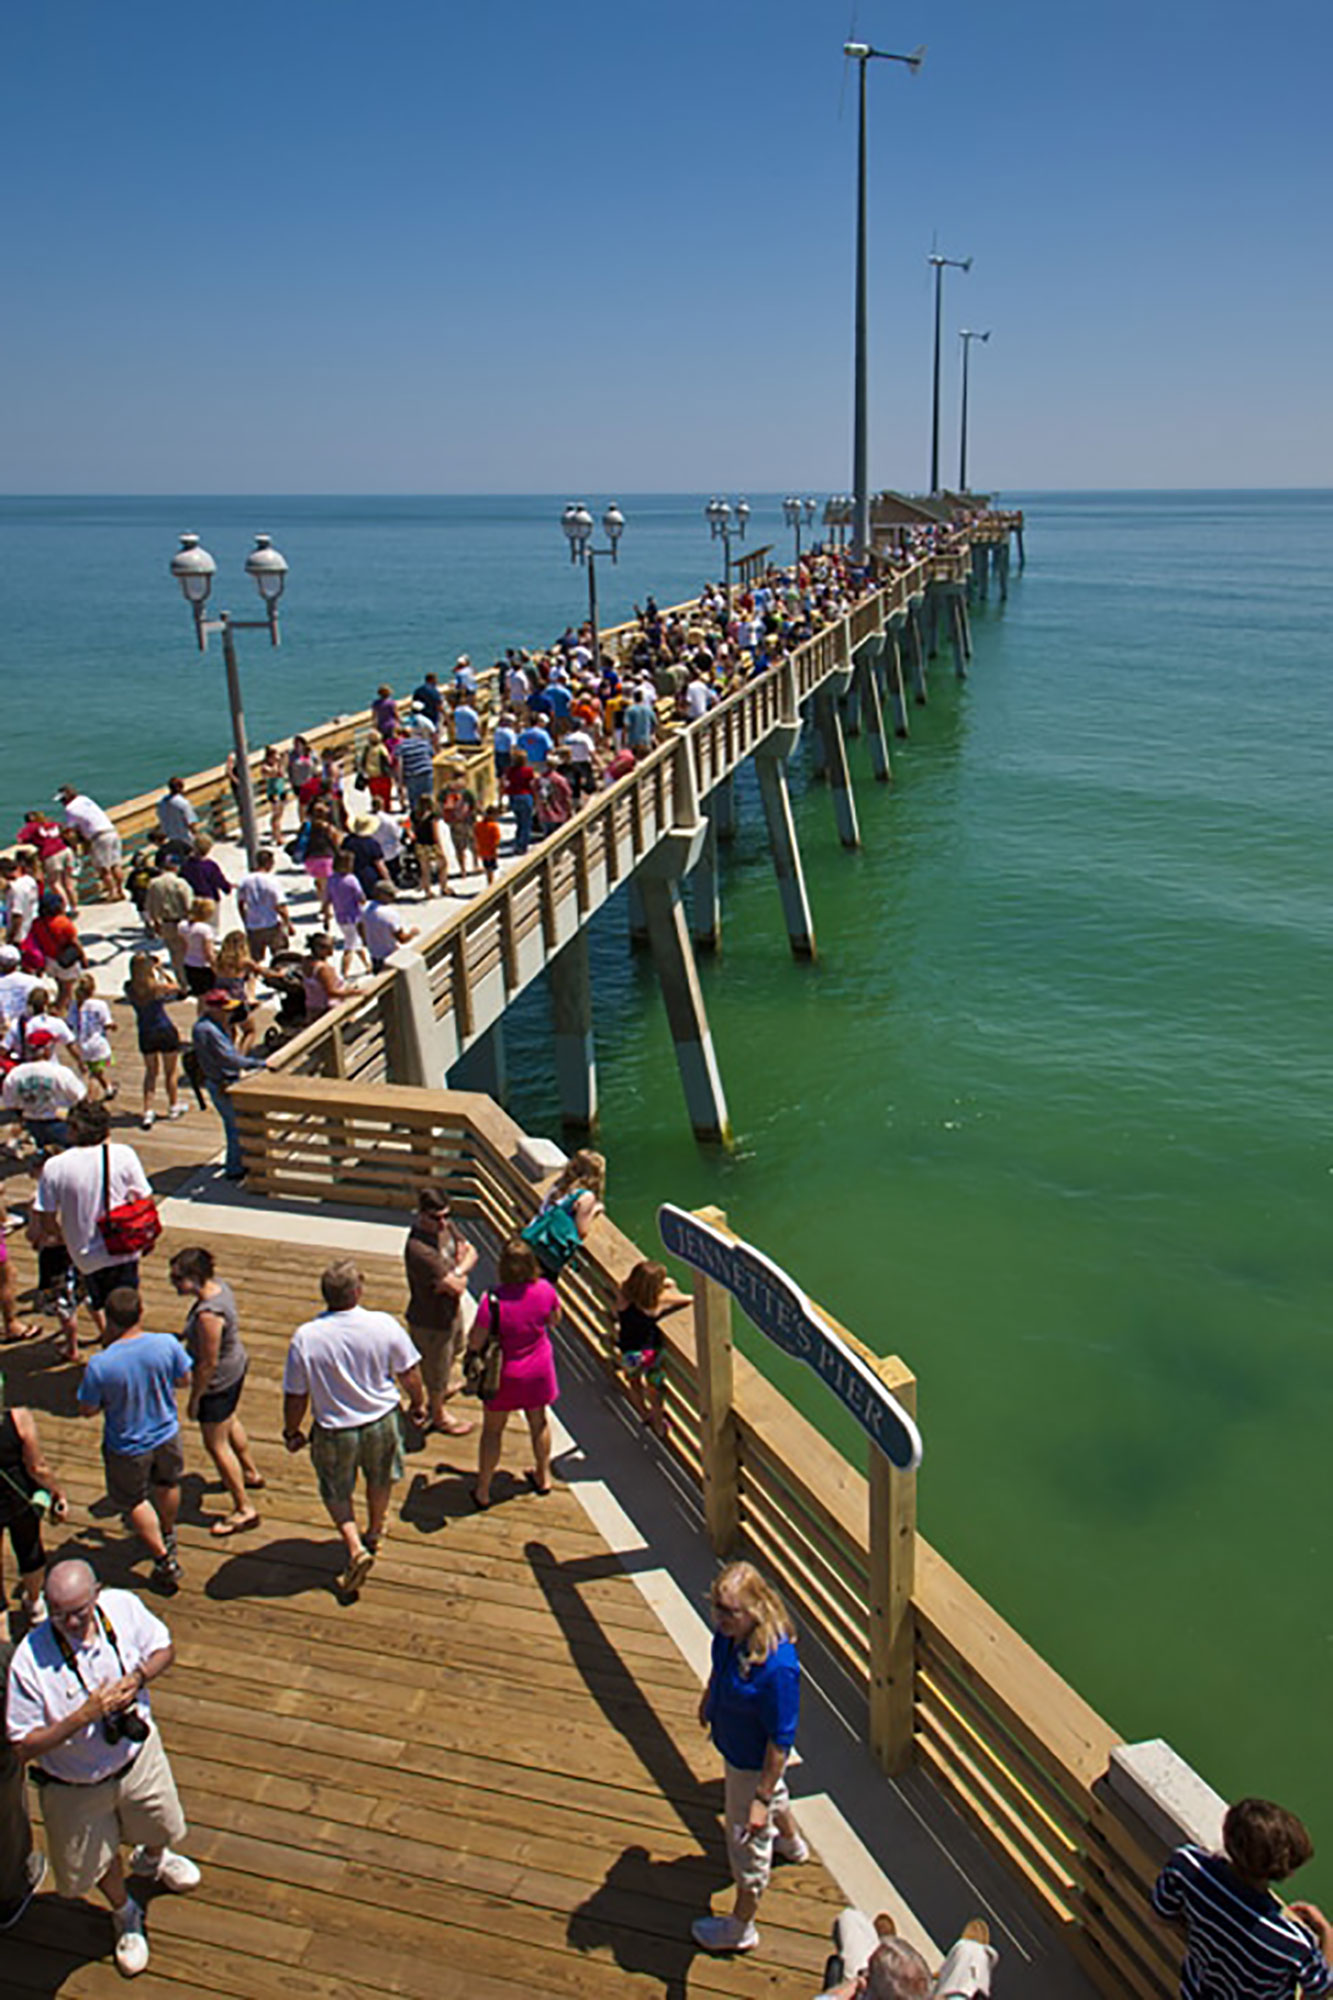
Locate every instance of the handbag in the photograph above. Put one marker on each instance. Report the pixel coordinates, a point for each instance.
(554, 1234)
(132, 1227)
(483, 1366)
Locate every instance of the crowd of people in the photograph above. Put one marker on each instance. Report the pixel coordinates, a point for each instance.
(359, 1385)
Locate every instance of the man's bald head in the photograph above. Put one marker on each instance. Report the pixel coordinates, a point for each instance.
(70, 1584)
(897, 1971)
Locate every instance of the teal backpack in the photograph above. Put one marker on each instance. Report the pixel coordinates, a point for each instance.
(554, 1234)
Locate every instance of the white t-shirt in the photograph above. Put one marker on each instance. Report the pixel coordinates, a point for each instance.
(347, 1363)
(89, 1022)
(388, 838)
(699, 698)
(260, 897)
(381, 927)
(21, 905)
(43, 1090)
(71, 1187)
(196, 938)
(578, 746)
(21, 1034)
(14, 990)
(86, 817)
(43, 1690)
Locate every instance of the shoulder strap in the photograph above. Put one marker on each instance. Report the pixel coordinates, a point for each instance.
(106, 1177)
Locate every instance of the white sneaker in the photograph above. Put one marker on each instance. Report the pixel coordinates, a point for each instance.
(176, 1111)
(148, 1120)
(793, 1848)
(174, 1871)
(724, 1934)
(131, 1944)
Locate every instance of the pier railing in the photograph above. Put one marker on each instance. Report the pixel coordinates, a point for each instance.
(537, 905)
(1010, 1743)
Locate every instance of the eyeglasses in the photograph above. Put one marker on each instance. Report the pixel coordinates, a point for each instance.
(74, 1614)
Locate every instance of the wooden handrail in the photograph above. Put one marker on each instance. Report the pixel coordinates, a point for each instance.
(1006, 1738)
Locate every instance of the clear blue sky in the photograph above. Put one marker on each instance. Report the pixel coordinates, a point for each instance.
(434, 248)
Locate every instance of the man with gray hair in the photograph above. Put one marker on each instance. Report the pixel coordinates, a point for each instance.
(871, 1962)
(78, 1712)
(347, 1367)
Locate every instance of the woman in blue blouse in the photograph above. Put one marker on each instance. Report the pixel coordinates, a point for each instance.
(750, 1706)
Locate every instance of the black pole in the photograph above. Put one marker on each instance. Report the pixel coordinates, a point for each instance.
(935, 406)
(592, 608)
(962, 447)
(860, 421)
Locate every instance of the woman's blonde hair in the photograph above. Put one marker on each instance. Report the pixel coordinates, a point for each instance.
(232, 954)
(143, 975)
(203, 910)
(584, 1169)
(742, 1582)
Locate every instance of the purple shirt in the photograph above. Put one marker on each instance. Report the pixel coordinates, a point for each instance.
(346, 898)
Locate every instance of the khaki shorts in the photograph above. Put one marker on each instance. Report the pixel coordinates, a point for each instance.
(438, 1345)
(751, 1861)
(87, 1824)
(106, 850)
(375, 1449)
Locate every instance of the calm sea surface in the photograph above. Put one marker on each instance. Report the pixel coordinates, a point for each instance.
(1050, 1116)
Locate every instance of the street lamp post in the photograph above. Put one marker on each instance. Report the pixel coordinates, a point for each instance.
(839, 515)
(862, 53)
(724, 521)
(967, 336)
(577, 523)
(797, 512)
(194, 569)
(940, 264)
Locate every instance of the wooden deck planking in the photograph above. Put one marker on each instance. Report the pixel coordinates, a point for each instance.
(484, 1778)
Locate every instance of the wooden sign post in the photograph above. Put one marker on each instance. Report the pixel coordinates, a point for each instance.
(880, 1394)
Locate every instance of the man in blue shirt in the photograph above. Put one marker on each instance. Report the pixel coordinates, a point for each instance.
(133, 1382)
(467, 723)
(222, 1063)
(640, 724)
(416, 762)
(536, 745)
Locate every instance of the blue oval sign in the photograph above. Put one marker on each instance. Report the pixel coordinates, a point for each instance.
(781, 1310)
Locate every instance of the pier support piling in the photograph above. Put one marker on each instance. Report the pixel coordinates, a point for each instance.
(867, 678)
(953, 612)
(893, 673)
(916, 662)
(1001, 560)
(705, 900)
(669, 936)
(981, 570)
(484, 1066)
(776, 801)
(571, 1019)
(722, 808)
(828, 726)
(636, 921)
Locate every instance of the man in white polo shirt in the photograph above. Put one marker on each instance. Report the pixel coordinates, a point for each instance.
(263, 907)
(85, 817)
(347, 1367)
(78, 1712)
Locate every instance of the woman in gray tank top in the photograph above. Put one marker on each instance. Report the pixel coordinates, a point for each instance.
(212, 1335)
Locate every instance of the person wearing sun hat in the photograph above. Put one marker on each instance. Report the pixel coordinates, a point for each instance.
(222, 1063)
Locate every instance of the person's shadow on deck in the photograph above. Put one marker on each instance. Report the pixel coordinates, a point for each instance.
(642, 1910)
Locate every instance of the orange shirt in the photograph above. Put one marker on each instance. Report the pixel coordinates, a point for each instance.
(486, 834)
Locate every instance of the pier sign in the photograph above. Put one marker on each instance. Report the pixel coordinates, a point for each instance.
(780, 1309)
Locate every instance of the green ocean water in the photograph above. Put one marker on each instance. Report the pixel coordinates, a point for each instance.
(1049, 1116)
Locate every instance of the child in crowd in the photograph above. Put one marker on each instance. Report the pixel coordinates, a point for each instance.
(347, 900)
(645, 1297)
(486, 839)
(37, 1018)
(1235, 1928)
(90, 1023)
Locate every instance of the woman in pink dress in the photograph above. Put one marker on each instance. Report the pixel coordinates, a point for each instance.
(525, 1308)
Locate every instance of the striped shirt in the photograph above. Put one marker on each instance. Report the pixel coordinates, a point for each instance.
(1240, 1944)
(415, 756)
